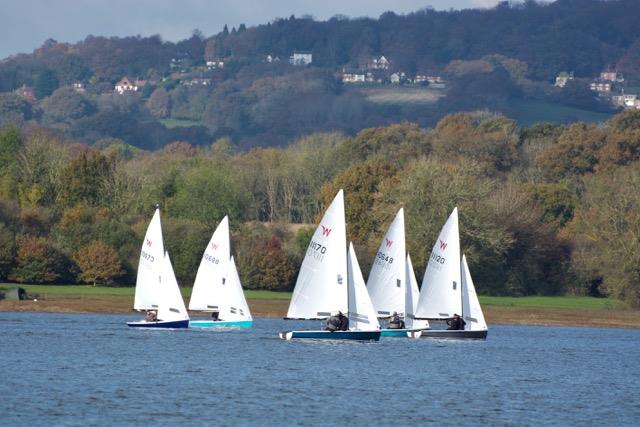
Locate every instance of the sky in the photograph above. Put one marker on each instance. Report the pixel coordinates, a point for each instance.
(26, 24)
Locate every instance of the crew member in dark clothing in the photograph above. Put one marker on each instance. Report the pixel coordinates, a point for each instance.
(395, 322)
(337, 322)
(456, 323)
(215, 316)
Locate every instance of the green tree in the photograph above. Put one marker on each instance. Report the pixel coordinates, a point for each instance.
(65, 105)
(86, 178)
(46, 83)
(38, 262)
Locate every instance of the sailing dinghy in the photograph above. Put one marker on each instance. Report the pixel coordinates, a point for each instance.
(156, 285)
(217, 288)
(391, 281)
(447, 289)
(330, 280)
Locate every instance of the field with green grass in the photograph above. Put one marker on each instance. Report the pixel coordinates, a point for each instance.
(568, 302)
(84, 290)
(399, 95)
(174, 123)
(530, 111)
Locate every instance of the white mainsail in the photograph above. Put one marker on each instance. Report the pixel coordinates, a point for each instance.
(362, 315)
(322, 281)
(471, 310)
(150, 266)
(233, 305)
(412, 294)
(212, 272)
(171, 306)
(441, 295)
(387, 279)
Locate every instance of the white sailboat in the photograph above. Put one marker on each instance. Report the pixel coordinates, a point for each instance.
(446, 286)
(412, 294)
(390, 279)
(157, 289)
(330, 280)
(217, 288)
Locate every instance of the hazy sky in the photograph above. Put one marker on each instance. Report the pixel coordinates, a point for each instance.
(25, 24)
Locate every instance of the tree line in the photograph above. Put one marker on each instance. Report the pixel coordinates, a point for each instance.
(547, 209)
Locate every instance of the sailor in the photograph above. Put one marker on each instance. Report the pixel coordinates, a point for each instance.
(395, 322)
(152, 316)
(456, 323)
(215, 316)
(337, 322)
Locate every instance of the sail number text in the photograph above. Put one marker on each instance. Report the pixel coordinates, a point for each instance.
(316, 250)
(147, 256)
(211, 259)
(438, 259)
(383, 260)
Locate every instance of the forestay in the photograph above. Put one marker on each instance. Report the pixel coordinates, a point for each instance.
(322, 281)
(362, 316)
(387, 279)
(412, 293)
(213, 270)
(440, 296)
(150, 266)
(233, 305)
(171, 306)
(471, 309)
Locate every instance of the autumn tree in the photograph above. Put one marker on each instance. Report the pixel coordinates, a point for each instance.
(98, 263)
(38, 262)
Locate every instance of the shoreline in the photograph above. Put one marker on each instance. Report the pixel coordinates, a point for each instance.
(273, 308)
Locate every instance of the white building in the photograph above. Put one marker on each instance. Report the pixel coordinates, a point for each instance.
(353, 78)
(301, 58)
(125, 85)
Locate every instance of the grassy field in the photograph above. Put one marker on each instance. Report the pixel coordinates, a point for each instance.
(568, 302)
(175, 123)
(559, 311)
(401, 94)
(529, 111)
(83, 290)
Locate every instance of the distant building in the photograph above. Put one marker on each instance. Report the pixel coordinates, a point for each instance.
(26, 92)
(125, 85)
(78, 87)
(611, 76)
(214, 64)
(198, 81)
(630, 100)
(397, 78)
(271, 58)
(600, 87)
(353, 78)
(380, 63)
(563, 78)
(301, 58)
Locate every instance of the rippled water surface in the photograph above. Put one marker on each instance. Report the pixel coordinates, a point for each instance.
(81, 369)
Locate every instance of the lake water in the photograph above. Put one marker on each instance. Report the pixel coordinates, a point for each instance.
(81, 369)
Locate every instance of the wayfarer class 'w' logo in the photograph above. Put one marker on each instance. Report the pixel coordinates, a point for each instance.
(325, 231)
(149, 242)
(214, 246)
(388, 242)
(443, 245)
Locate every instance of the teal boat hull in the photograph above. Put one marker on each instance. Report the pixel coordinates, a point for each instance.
(327, 335)
(220, 324)
(398, 333)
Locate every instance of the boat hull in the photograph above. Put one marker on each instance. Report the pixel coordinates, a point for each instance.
(327, 335)
(449, 334)
(398, 333)
(174, 324)
(220, 324)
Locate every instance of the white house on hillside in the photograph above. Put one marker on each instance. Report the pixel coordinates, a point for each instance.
(125, 85)
(301, 58)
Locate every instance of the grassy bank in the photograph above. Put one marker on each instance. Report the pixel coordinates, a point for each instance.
(558, 311)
